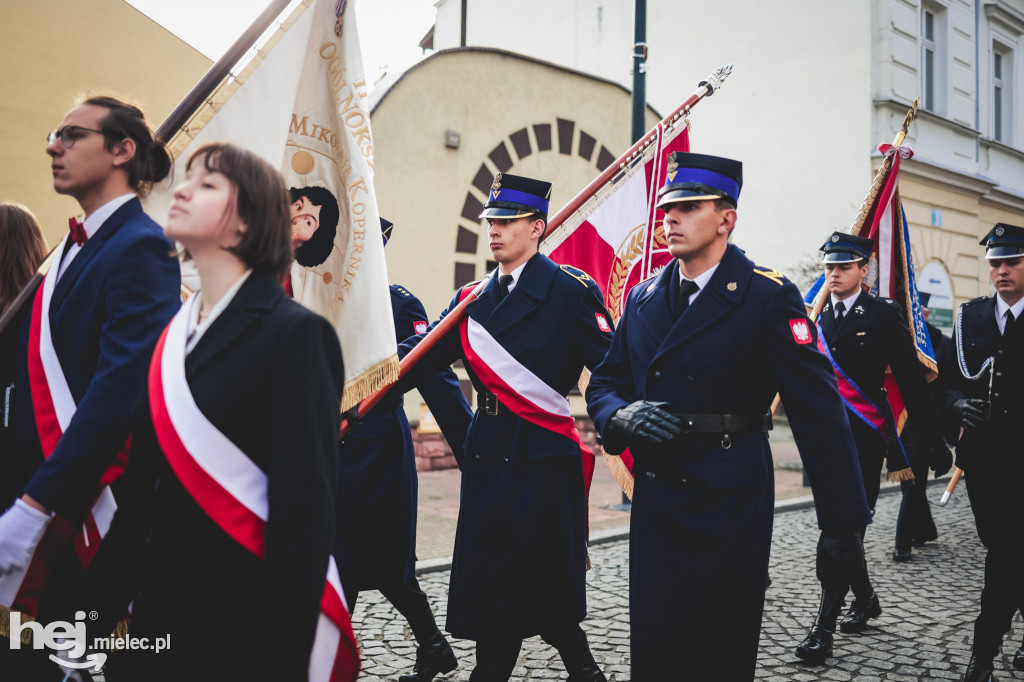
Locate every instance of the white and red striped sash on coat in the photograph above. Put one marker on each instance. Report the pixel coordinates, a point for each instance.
(519, 389)
(54, 407)
(232, 490)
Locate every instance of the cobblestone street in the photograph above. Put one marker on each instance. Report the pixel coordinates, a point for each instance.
(924, 632)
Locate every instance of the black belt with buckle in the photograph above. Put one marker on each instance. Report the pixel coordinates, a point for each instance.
(489, 404)
(724, 423)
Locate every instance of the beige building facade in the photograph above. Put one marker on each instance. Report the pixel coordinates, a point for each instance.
(815, 88)
(54, 52)
(446, 126)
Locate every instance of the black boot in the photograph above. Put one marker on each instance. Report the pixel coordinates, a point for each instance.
(979, 671)
(817, 645)
(588, 673)
(574, 650)
(861, 611)
(434, 657)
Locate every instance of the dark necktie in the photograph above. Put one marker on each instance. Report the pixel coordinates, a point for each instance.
(1010, 320)
(77, 231)
(840, 309)
(503, 282)
(687, 288)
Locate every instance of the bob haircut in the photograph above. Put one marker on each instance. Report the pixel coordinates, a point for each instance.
(261, 202)
(315, 251)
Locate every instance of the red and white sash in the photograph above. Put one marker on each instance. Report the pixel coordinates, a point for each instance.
(519, 389)
(232, 490)
(54, 407)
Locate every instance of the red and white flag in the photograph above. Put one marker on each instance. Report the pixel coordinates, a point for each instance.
(618, 239)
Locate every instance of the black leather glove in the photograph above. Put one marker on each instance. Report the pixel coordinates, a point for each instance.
(940, 458)
(838, 558)
(640, 421)
(351, 415)
(971, 412)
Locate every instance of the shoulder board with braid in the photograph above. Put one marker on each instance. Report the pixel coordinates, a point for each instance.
(770, 274)
(577, 274)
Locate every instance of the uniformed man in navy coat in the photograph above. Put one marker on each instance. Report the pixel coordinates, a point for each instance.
(521, 548)
(863, 336)
(700, 352)
(985, 389)
(375, 544)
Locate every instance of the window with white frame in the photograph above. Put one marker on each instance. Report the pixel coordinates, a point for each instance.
(928, 58)
(933, 57)
(1002, 93)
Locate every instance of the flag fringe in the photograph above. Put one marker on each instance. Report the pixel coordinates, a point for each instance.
(5, 625)
(383, 373)
(621, 474)
(900, 475)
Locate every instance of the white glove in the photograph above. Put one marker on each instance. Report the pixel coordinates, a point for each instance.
(21, 529)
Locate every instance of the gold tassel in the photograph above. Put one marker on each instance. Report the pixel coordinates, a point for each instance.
(900, 475)
(381, 374)
(5, 625)
(621, 474)
(121, 629)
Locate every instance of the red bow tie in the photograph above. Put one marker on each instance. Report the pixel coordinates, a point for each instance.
(77, 231)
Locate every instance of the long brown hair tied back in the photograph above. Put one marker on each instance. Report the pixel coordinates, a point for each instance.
(22, 249)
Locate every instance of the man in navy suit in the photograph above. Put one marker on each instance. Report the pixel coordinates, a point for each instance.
(700, 352)
(520, 558)
(114, 285)
(984, 388)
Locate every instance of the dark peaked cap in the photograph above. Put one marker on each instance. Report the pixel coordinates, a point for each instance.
(513, 196)
(693, 177)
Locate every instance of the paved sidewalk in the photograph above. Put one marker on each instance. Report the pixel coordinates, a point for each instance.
(925, 630)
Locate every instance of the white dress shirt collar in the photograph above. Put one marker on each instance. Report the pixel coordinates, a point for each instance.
(700, 280)
(196, 329)
(515, 275)
(1001, 308)
(847, 302)
(92, 225)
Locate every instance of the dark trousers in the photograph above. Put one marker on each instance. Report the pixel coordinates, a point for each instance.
(915, 523)
(1001, 597)
(411, 602)
(496, 658)
(871, 458)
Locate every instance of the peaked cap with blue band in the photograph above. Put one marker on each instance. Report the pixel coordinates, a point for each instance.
(693, 177)
(513, 196)
(846, 248)
(1004, 241)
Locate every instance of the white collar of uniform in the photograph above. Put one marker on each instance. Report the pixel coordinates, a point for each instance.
(1001, 308)
(848, 301)
(515, 275)
(92, 225)
(196, 329)
(700, 280)
(94, 222)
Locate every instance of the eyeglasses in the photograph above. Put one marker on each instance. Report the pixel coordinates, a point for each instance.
(69, 135)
